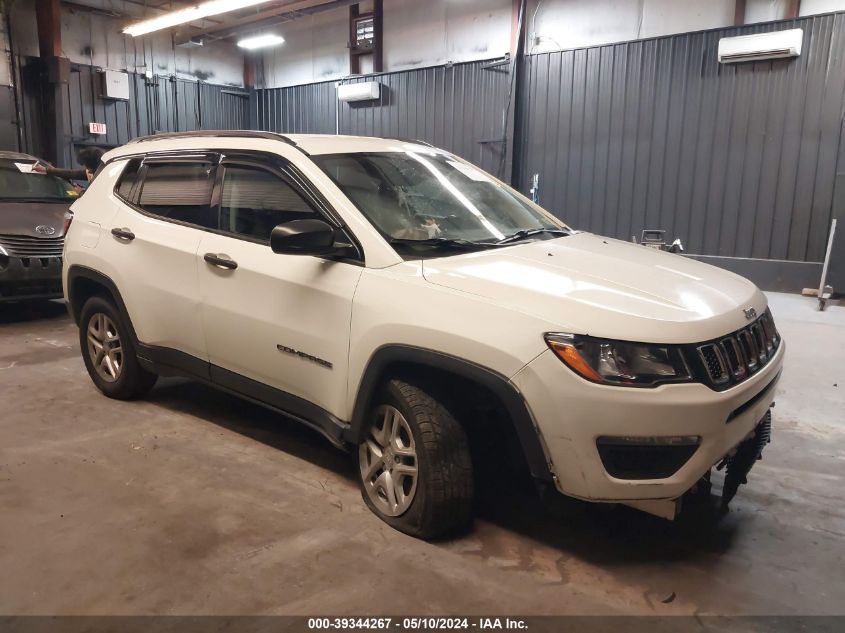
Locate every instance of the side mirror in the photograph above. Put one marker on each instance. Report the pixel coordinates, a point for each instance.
(303, 237)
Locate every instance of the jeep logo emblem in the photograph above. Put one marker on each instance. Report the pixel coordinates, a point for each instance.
(44, 229)
(750, 313)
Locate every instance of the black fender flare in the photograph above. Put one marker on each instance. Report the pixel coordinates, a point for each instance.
(74, 306)
(505, 390)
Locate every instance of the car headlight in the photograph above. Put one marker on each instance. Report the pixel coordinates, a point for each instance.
(620, 362)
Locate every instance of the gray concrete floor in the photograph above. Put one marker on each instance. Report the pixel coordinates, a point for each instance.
(193, 502)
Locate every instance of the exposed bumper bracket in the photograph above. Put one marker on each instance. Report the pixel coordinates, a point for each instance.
(740, 461)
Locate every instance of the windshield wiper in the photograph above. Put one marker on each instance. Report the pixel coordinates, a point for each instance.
(443, 242)
(522, 234)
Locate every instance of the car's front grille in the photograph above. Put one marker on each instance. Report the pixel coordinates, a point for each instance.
(734, 358)
(24, 246)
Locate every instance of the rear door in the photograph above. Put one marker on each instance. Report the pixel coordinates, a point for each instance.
(279, 321)
(165, 207)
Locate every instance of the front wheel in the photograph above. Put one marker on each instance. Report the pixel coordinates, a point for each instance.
(414, 463)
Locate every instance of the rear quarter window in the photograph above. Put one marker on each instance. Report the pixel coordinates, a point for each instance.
(127, 179)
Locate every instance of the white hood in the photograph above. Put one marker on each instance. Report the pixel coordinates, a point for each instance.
(586, 284)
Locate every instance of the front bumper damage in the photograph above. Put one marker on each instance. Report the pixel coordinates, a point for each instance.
(737, 464)
(23, 278)
(667, 440)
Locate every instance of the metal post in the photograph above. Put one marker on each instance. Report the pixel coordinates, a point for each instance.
(739, 12)
(823, 297)
(54, 72)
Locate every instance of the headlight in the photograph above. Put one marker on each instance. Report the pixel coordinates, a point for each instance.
(620, 362)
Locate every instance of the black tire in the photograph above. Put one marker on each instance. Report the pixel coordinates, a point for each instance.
(442, 503)
(132, 381)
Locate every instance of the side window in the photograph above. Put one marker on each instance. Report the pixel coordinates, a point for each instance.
(128, 178)
(253, 201)
(179, 191)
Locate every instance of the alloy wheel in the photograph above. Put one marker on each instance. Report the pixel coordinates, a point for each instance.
(104, 347)
(388, 461)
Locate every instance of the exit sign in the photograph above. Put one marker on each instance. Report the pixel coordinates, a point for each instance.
(97, 128)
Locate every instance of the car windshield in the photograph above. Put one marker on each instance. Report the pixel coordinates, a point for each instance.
(19, 183)
(433, 200)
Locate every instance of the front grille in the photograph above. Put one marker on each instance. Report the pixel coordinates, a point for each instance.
(24, 246)
(714, 362)
(734, 358)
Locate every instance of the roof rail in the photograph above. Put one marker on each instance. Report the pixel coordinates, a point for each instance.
(408, 140)
(272, 136)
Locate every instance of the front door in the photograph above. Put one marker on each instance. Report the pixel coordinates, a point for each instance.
(277, 326)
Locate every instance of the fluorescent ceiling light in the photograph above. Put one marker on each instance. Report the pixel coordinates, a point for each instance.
(261, 41)
(188, 14)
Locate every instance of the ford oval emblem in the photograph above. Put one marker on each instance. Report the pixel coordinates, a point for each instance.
(750, 313)
(44, 229)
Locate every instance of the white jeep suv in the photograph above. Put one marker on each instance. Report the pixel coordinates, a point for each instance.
(404, 304)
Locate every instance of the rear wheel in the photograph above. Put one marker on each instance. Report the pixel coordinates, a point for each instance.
(414, 463)
(109, 353)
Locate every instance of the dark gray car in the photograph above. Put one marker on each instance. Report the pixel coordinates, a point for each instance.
(32, 229)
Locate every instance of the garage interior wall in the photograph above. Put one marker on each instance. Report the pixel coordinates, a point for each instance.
(458, 107)
(157, 104)
(171, 88)
(436, 32)
(91, 35)
(737, 160)
(416, 35)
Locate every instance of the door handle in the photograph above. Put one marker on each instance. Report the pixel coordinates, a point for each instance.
(220, 260)
(123, 234)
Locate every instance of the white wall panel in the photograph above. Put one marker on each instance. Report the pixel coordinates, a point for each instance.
(813, 7)
(765, 10)
(419, 34)
(314, 50)
(667, 17)
(89, 38)
(567, 24)
(416, 35)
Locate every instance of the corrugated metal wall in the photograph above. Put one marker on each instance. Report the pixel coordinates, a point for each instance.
(737, 160)
(457, 107)
(307, 109)
(162, 104)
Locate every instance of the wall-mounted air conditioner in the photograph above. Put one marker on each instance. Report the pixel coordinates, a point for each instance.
(365, 91)
(750, 48)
